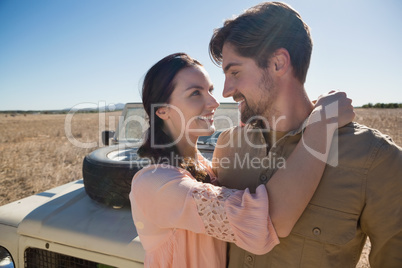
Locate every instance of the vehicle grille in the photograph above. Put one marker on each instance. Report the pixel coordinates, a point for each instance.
(40, 258)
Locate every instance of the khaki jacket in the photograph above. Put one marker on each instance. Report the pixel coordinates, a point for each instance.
(360, 195)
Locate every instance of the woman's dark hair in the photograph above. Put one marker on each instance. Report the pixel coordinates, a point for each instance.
(158, 86)
(260, 31)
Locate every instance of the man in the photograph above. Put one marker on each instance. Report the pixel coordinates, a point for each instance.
(265, 54)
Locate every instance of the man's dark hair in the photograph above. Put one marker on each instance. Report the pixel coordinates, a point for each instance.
(260, 31)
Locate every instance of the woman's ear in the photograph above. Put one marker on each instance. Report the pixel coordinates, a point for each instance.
(162, 112)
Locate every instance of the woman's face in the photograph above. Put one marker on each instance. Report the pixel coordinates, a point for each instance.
(191, 105)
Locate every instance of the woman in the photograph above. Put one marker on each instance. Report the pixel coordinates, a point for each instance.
(182, 216)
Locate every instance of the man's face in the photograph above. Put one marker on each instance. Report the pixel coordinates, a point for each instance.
(249, 85)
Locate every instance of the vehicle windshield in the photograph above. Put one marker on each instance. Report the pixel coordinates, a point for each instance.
(133, 123)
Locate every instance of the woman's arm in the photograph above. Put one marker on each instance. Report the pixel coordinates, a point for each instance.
(290, 189)
(168, 198)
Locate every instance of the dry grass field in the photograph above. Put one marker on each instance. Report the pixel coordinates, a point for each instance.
(36, 155)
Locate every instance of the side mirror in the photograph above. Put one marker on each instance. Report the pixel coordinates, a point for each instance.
(106, 136)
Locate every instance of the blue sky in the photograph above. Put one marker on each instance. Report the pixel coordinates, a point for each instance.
(64, 53)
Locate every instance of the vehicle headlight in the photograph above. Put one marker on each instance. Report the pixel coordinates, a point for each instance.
(6, 261)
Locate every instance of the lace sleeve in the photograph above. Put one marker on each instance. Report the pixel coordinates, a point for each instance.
(210, 202)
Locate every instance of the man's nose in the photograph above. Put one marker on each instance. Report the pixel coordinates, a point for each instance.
(228, 89)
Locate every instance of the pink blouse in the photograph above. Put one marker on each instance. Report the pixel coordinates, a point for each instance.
(185, 223)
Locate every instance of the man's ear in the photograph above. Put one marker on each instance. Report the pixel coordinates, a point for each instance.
(162, 112)
(280, 61)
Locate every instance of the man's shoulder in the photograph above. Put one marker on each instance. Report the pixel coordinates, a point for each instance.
(227, 133)
(225, 140)
(244, 130)
(360, 146)
(241, 137)
(236, 129)
(358, 133)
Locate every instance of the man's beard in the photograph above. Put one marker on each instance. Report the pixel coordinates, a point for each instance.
(262, 110)
(248, 115)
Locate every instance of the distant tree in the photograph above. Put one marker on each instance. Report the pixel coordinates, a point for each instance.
(383, 105)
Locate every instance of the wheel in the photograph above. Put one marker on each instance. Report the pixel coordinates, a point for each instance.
(108, 172)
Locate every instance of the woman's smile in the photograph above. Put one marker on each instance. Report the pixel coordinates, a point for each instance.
(207, 117)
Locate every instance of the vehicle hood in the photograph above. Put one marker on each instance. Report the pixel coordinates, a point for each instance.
(13, 213)
(71, 218)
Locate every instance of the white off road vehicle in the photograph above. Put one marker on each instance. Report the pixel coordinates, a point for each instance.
(88, 223)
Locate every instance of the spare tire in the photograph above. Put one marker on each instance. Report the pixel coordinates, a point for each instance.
(108, 173)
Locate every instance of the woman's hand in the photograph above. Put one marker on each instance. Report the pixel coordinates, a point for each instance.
(335, 107)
